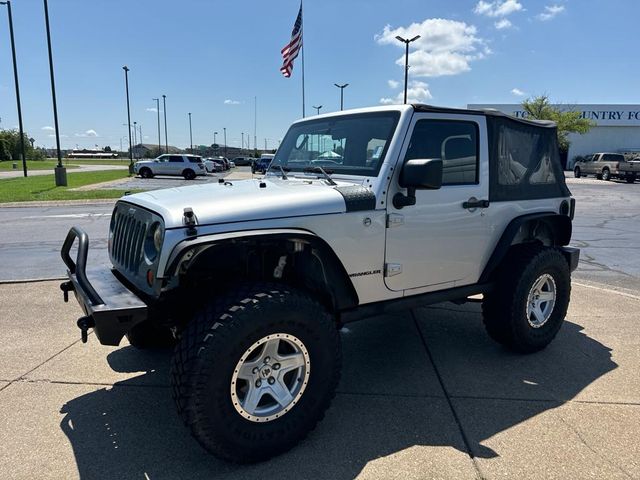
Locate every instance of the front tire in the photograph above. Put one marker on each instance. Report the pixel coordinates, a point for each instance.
(225, 371)
(528, 306)
(576, 172)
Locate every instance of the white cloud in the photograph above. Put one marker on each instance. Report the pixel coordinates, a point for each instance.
(393, 84)
(550, 11)
(228, 101)
(48, 129)
(445, 47)
(152, 109)
(52, 135)
(502, 24)
(497, 8)
(517, 92)
(417, 92)
(88, 133)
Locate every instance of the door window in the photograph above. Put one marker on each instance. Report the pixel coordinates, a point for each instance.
(175, 159)
(456, 143)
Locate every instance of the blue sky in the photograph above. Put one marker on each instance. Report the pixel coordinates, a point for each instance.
(202, 53)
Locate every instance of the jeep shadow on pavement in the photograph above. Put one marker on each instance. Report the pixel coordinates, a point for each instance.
(251, 280)
(388, 401)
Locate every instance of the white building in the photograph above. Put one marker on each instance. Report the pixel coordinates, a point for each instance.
(617, 127)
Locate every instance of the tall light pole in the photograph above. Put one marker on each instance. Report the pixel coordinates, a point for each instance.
(214, 141)
(242, 143)
(190, 133)
(15, 78)
(318, 107)
(225, 141)
(60, 171)
(126, 83)
(341, 87)
(406, 61)
(158, 111)
(135, 131)
(164, 107)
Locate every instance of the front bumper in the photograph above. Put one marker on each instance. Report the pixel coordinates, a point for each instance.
(110, 308)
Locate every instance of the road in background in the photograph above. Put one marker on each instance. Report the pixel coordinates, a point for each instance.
(606, 229)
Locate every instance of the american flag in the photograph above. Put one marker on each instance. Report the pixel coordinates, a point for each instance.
(291, 50)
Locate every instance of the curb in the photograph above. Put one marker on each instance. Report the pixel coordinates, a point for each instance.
(58, 203)
(32, 280)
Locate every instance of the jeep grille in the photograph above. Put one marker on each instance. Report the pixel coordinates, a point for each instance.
(127, 240)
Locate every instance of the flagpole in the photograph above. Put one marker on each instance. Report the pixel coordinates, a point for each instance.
(303, 42)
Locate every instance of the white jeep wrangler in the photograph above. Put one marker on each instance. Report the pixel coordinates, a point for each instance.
(361, 212)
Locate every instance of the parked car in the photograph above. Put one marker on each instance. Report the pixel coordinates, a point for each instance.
(606, 166)
(214, 165)
(252, 280)
(262, 164)
(243, 161)
(187, 166)
(232, 164)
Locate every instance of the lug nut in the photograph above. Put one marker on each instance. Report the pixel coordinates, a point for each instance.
(267, 359)
(258, 383)
(255, 370)
(271, 380)
(276, 366)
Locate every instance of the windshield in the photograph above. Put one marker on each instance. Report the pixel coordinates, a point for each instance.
(351, 144)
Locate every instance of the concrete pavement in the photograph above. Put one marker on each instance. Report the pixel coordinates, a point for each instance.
(424, 394)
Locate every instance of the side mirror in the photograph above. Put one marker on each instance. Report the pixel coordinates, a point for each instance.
(418, 174)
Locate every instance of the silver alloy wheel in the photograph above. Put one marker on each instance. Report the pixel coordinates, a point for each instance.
(270, 377)
(541, 300)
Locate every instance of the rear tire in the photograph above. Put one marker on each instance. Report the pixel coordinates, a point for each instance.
(630, 178)
(576, 172)
(508, 313)
(146, 173)
(606, 175)
(189, 174)
(215, 356)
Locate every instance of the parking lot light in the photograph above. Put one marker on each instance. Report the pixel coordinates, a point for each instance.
(15, 78)
(341, 87)
(190, 133)
(60, 171)
(406, 60)
(318, 107)
(225, 141)
(166, 139)
(126, 83)
(157, 100)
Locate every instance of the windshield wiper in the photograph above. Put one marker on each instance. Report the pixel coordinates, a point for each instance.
(321, 170)
(282, 169)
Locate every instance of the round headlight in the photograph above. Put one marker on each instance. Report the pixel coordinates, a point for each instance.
(153, 241)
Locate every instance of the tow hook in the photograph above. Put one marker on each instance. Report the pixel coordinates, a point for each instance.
(66, 287)
(84, 324)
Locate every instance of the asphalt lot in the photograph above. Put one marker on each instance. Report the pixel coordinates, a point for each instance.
(423, 395)
(606, 228)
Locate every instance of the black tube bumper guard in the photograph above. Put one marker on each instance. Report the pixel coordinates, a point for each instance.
(110, 308)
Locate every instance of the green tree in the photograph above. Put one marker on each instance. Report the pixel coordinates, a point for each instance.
(5, 149)
(568, 121)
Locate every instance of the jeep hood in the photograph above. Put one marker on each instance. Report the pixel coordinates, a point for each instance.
(246, 200)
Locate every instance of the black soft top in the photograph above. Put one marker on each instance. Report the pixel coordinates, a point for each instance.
(524, 159)
(422, 108)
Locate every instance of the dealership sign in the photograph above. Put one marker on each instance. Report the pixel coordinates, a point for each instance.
(602, 115)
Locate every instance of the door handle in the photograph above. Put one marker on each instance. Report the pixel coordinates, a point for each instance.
(475, 203)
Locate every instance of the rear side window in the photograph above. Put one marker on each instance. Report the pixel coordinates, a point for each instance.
(195, 159)
(455, 142)
(609, 157)
(175, 159)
